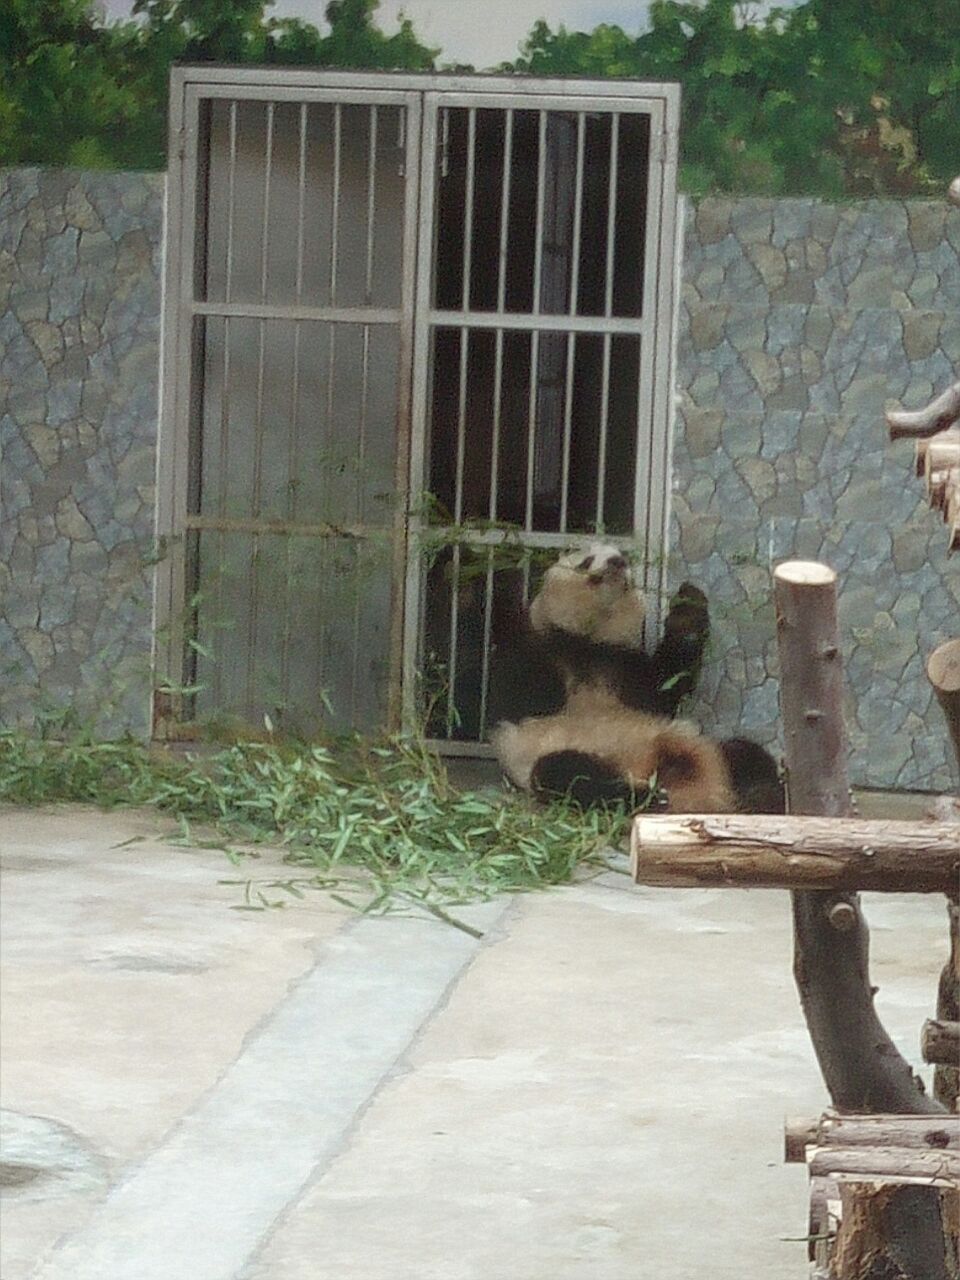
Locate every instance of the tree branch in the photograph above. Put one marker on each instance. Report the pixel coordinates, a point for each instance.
(937, 416)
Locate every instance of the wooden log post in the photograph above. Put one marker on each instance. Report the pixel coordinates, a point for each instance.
(946, 1077)
(774, 851)
(894, 1230)
(861, 1066)
(943, 672)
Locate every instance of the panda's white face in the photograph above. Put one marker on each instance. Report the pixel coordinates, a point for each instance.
(604, 567)
(590, 592)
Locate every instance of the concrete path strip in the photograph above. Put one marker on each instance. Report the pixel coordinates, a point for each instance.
(201, 1203)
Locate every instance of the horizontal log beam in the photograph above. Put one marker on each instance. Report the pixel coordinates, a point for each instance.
(940, 1042)
(834, 1129)
(883, 1162)
(771, 851)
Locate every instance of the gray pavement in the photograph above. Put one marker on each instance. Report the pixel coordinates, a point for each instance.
(595, 1089)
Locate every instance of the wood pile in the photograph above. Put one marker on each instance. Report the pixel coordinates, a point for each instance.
(869, 1173)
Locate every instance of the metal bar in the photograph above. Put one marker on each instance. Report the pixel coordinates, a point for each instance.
(468, 206)
(543, 323)
(258, 419)
(567, 429)
(611, 214)
(331, 315)
(487, 632)
(457, 516)
(577, 215)
(294, 425)
(410, 133)
(231, 202)
(532, 425)
(175, 401)
(222, 503)
(371, 205)
(361, 455)
(267, 179)
(455, 747)
(301, 197)
(607, 309)
(520, 538)
(462, 89)
(454, 637)
(653, 405)
(501, 300)
(604, 430)
(538, 230)
(225, 389)
(495, 425)
(461, 424)
(335, 201)
(285, 528)
(505, 208)
(364, 400)
(327, 435)
(422, 224)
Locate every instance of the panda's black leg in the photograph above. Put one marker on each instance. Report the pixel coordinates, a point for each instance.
(582, 778)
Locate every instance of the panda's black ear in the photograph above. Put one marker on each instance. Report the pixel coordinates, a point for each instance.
(586, 564)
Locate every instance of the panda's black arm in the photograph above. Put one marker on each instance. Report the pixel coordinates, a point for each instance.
(676, 662)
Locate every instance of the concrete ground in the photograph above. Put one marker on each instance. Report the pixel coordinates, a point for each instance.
(595, 1090)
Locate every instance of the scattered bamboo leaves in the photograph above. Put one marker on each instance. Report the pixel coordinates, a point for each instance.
(379, 826)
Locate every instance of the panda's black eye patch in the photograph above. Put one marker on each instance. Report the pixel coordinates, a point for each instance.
(585, 564)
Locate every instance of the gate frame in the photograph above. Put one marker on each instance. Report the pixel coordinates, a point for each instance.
(180, 382)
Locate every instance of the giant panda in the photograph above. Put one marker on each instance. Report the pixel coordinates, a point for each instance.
(582, 711)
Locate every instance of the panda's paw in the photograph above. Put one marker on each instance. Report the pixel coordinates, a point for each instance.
(688, 621)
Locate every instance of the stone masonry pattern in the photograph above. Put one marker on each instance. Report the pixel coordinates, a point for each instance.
(799, 322)
(79, 343)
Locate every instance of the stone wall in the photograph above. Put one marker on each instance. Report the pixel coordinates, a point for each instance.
(799, 321)
(79, 341)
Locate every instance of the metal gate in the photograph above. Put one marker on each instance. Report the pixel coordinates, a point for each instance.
(417, 334)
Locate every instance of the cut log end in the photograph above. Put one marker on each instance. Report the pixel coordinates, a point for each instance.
(943, 667)
(805, 573)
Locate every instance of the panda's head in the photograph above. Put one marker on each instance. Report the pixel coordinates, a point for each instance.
(590, 592)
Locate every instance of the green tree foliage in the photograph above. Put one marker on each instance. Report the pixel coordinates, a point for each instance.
(66, 95)
(833, 97)
(75, 90)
